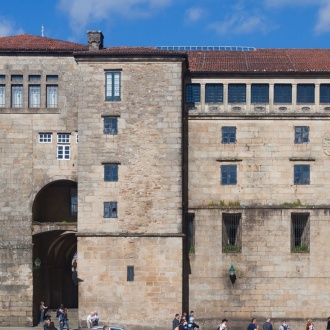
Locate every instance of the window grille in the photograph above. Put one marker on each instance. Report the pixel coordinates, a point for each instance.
(228, 134)
(283, 93)
(110, 125)
(193, 93)
(305, 93)
(130, 273)
(2, 96)
(231, 232)
(34, 96)
(301, 134)
(300, 232)
(63, 138)
(236, 93)
(110, 209)
(325, 93)
(301, 174)
(45, 138)
(259, 93)
(214, 93)
(111, 172)
(63, 152)
(17, 96)
(228, 174)
(52, 96)
(112, 86)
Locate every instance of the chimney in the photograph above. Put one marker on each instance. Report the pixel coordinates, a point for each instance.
(95, 40)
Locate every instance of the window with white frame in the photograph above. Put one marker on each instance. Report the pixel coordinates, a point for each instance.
(112, 86)
(34, 96)
(63, 149)
(45, 137)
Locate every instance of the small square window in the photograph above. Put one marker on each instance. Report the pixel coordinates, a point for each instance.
(2, 77)
(228, 135)
(112, 86)
(283, 93)
(301, 174)
(111, 172)
(45, 138)
(231, 232)
(228, 174)
(301, 134)
(300, 232)
(63, 138)
(63, 152)
(110, 210)
(110, 125)
(193, 93)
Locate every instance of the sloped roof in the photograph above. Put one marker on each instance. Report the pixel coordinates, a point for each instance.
(260, 60)
(31, 43)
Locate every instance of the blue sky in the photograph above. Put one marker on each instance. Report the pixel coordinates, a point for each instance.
(256, 23)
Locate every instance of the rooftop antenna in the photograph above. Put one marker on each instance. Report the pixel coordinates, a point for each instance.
(42, 30)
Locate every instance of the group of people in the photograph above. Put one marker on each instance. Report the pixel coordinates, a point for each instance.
(184, 322)
(92, 319)
(61, 314)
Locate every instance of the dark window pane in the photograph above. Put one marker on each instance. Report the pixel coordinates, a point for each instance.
(130, 273)
(282, 93)
(236, 93)
(228, 174)
(193, 93)
(110, 125)
(301, 174)
(301, 134)
(305, 93)
(228, 134)
(213, 93)
(259, 93)
(325, 93)
(111, 172)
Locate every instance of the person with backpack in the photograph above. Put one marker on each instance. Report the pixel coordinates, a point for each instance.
(223, 325)
(176, 321)
(191, 325)
(284, 326)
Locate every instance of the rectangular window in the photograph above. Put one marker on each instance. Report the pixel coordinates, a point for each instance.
(2, 77)
(111, 172)
(2, 96)
(17, 77)
(130, 273)
(301, 174)
(236, 93)
(110, 209)
(325, 93)
(214, 93)
(190, 218)
(112, 86)
(17, 96)
(52, 96)
(193, 93)
(34, 96)
(301, 134)
(63, 138)
(74, 202)
(34, 77)
(305, 93)
(45, 137)
(110, 125)
(231, 233)
(283, 93)
(259, 93)
(228, 174)
(228, 134)
(300, 232)
(52, 78)
(63, 152)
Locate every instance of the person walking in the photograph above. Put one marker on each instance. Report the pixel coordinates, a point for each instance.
(223, 325)
(285, 326)
(176, 321)
(253, 325)
(267, 325)
(328, 324)
(64, 321)
(310, 325)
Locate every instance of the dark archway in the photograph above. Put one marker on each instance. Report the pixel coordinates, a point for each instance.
(55, 244)
(56, 202)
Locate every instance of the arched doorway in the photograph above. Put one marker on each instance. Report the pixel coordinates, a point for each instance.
(54, 226)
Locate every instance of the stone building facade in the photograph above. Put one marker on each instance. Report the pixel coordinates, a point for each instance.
(134, 178)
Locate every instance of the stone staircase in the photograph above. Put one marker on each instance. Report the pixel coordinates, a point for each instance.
(72, 316)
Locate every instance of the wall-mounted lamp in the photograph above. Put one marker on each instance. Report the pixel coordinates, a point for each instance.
(232, 274)
(37, 263)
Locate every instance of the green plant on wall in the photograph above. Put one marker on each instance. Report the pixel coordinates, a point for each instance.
(231, 248)
(303, 248)
(192, 249)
